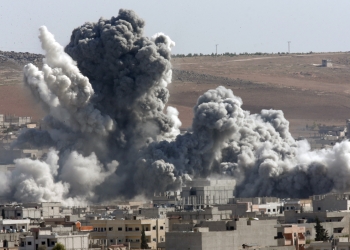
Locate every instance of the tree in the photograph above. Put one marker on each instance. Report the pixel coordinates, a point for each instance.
(59, 246)
(321, 233)
(144, 244)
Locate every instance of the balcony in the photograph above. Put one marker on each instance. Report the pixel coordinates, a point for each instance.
(137, 233)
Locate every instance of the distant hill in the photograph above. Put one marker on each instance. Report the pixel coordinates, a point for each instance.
(20, 58)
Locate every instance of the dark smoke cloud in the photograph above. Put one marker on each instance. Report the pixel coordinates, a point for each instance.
(105, 95)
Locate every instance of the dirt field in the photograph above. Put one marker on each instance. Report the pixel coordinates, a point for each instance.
(295, 84)
(304, 91)
(15, 98)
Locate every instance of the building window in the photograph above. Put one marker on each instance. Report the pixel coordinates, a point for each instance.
(130, 229)
(161, 227)
(268, 210)
(18, 214)
(111, 241)
(110, 229)
(52, 208)
(154, 228)
(137, 229)
(29, 243)
(319, 208)
(119, 240)
(43, 243)
(274, 210)
(120, 229)
(287, 208)
(154, 239)
(137, 240)
(161, 212)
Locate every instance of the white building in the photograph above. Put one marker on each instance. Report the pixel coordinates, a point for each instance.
(200, 193)
(32, 210)
(48, 239)
(14, 225)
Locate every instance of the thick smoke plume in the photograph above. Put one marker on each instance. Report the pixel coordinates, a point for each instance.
(109, 137)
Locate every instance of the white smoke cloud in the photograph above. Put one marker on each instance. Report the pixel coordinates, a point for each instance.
(84, 173)
(173, 114)
(34, 180)
(64, 90)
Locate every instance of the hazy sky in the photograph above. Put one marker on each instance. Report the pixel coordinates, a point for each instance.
(195, 25)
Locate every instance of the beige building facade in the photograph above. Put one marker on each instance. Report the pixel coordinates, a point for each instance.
(112, 232)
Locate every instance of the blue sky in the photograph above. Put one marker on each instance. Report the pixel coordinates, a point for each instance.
(195, 25)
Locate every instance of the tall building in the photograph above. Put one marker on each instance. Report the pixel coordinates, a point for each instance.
(201, 193)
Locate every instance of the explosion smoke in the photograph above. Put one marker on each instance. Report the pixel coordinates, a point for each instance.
(105, 94)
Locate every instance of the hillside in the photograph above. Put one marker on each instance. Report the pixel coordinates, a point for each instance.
(14, 97)
(296, 84)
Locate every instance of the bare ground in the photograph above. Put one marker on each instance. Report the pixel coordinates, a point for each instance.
(295, 84)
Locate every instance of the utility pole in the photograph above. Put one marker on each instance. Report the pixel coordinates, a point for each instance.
(289, 47)
(216, 50)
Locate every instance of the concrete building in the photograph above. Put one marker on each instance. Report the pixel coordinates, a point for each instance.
(239, 209)
(48, 239)
(326, 63)
(167, 199)
(263, 205)
(9, 240)
(291, 235)
(210, 213)
(51, 209)
(111, 232)
(12, 120)
(237, 234)
(301, 205)
(331, 202)
(19, 212)
(10, 226)
(341, 243)
(7, 156)
(32, 210)
(336, 223)
(155, 212)
(201, 193)
(256, 200)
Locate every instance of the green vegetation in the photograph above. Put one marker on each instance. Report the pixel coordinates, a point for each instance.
(144, 244)
(59, 246)
(321, 233)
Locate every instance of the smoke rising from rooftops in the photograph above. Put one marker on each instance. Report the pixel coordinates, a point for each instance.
(105, 94)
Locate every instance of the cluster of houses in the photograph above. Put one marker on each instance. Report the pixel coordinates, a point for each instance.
(204, 215)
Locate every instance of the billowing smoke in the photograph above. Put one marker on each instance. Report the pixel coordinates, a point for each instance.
(109, 136)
